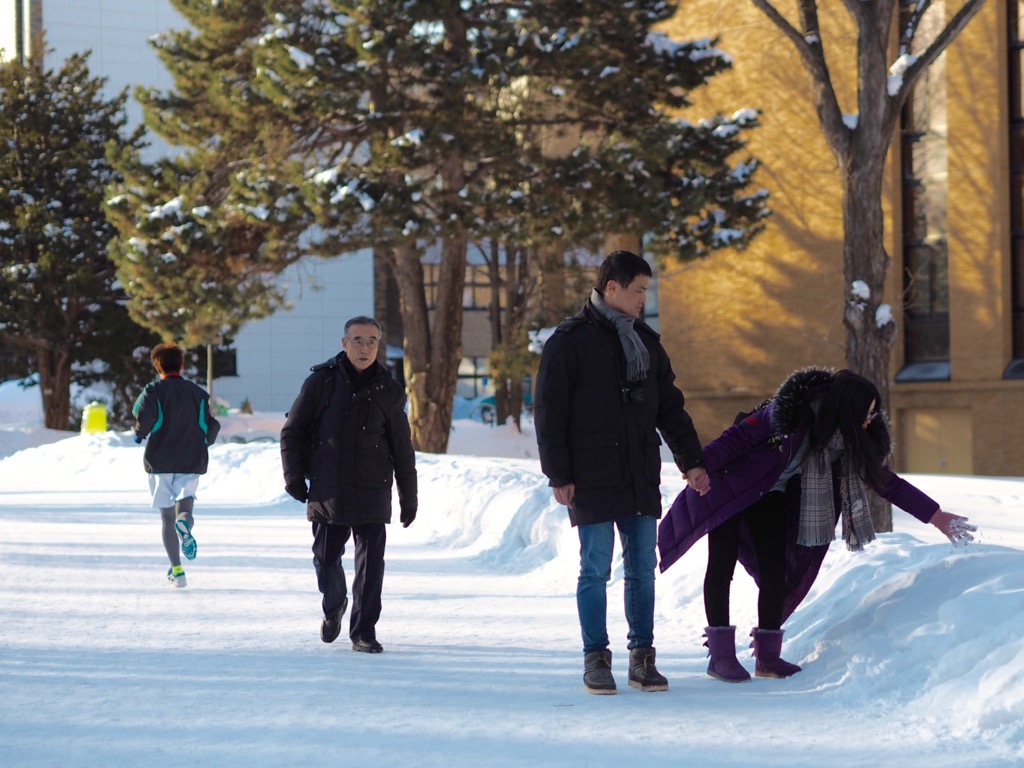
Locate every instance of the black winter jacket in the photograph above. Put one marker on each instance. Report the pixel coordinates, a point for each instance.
(175, 414)
(601, 433)
(350, 445)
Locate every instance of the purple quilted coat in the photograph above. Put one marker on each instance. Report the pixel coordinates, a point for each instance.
(745, 463)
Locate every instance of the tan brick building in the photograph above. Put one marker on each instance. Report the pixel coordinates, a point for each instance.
(737, 323)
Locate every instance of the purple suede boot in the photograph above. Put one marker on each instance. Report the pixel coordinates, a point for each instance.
(724, 665)
(767, 650)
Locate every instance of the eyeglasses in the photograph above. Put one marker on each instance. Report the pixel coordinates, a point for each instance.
(362, 343)
(872, 416)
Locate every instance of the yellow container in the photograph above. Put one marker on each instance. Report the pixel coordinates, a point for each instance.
(94, 417)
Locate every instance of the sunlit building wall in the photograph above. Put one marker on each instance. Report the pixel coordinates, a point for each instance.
(737, 323)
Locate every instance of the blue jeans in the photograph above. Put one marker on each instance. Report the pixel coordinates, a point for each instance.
(639, 538)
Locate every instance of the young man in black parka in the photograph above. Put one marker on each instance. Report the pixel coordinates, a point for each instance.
(604, 391)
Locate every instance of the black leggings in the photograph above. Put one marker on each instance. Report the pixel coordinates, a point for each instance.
(766, 521)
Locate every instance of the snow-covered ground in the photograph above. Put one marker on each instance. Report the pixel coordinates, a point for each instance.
(913, 651)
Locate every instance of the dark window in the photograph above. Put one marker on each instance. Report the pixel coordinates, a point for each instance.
(924, 210)
(476, 295)
(474, 378)
(1015, 19)
(431, 277)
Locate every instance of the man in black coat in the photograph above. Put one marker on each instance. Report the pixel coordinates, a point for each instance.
(348, 435)
(604, 391)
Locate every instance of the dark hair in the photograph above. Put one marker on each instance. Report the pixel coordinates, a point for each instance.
(622, 267)
(844, 407)
(361, 320)
(167, 357)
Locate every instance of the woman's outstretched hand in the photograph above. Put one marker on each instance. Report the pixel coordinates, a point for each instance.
(954, 527)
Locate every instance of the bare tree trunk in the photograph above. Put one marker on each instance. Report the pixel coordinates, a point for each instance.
(55, 383)
(432, 354)
(519, 288)
(510, 361)
(446, 349)
(515, 398)
(412, 300)
(502, 402)
(209, 370)
(870, 327)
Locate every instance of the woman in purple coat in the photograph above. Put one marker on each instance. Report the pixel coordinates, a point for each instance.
(781, 478)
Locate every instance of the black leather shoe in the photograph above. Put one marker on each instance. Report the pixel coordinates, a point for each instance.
(367, 646)
(331, 626)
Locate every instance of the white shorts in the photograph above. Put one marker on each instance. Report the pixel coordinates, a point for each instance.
(169, 487)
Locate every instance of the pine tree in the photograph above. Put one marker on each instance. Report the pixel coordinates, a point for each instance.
(392, 103)
(430, 125)
(204, 233)
(607, 150)
(58, 283)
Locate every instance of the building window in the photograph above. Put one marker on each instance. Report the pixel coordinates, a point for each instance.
(925, 244)
(1015, 18)
(476, 295)
(474, 378)
(431, 278)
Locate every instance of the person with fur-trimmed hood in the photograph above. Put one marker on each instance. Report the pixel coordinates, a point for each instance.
(781, 478)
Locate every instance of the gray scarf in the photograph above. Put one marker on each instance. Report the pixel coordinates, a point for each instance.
(817, 510)
(637, 359)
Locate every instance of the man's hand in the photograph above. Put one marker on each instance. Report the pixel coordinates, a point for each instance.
(565, 494)
(298, 491)
(954, 527)
(698, 479)
(138, 439)
(407, 516)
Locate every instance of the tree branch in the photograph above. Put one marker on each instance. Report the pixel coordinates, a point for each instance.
(809, 45)
(956, 25)
(855, 9)
(910, 29)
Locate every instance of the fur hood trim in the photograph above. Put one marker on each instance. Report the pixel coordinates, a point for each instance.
(791, 405)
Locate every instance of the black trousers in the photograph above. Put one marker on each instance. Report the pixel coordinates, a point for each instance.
(328, 547)
(766, 521)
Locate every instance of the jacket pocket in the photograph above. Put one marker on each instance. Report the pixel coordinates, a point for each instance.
(598, 464)
(373, 465)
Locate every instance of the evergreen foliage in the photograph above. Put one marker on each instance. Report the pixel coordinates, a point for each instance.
(203, 234)
(426, 126)
(417, 129)
(59, 286)
(386, 95)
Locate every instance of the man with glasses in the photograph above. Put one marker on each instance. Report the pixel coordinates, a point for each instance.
(348, 436)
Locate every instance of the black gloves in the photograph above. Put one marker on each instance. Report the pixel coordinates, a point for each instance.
(407, 516)
(297, 490)
(138, 439)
